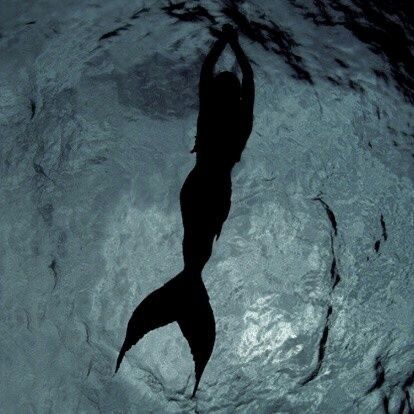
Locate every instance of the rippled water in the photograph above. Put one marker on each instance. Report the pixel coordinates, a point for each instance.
(311, 281)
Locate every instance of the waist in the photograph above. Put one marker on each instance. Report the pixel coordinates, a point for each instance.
(213, 170)
(215, 162)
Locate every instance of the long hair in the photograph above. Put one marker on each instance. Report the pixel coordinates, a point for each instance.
(226, 88)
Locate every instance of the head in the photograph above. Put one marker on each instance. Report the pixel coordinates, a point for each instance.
(226, 87)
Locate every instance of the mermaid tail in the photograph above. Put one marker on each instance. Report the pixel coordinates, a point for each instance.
(184, 300)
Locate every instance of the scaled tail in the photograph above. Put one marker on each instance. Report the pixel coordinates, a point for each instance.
(184, 300)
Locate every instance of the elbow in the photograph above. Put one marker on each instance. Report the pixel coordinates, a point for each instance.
(248, 76)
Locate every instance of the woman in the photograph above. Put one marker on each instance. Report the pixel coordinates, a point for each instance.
(224, 124)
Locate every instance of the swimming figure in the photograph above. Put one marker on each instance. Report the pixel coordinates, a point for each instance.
(224, 124)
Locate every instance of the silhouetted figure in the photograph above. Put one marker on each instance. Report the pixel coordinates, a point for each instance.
(224, 124)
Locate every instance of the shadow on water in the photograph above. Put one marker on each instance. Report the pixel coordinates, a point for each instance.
(385, 26)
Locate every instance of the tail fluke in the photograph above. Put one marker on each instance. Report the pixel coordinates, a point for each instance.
(155, 311)
(198, 327)
(184, 300)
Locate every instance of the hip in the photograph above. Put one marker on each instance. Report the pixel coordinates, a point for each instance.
(205, 183)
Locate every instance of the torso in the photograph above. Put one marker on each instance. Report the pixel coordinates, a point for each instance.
(219, 137)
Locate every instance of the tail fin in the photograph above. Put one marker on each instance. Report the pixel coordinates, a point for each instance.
(184, 300)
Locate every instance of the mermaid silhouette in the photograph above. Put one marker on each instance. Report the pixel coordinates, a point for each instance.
(224, 124)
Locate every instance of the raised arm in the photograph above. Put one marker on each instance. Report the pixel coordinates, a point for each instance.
(206, 76)
(247, 92)
(207, 70)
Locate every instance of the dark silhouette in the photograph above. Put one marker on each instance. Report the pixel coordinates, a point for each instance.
(224, 124)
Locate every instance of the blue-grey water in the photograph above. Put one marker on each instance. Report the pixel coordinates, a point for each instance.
(311, 281)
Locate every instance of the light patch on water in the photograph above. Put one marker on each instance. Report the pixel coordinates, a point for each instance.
(139, 241)
(267, 329)
(314, 258)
